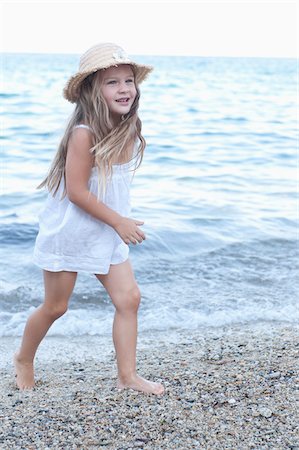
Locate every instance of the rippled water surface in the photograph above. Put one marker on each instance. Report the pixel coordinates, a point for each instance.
(217, 192)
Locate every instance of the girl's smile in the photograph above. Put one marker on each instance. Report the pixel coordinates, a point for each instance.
(124, 101)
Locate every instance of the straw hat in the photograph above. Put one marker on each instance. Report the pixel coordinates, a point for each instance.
(101, 56)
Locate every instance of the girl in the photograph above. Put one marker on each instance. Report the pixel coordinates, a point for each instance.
(85, 224)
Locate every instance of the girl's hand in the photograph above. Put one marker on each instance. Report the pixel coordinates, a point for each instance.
(128, 229)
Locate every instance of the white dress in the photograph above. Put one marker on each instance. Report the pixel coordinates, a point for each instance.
(70, 239)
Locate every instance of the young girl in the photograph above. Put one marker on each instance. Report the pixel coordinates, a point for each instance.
(85, 224)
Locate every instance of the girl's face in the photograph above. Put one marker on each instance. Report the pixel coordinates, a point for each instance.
(118, 89)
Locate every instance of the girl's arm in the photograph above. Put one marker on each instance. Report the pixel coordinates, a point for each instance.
(79, 162)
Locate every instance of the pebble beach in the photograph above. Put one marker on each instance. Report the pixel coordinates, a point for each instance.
(232, 387)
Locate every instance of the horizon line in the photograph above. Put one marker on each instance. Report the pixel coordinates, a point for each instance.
(34, 52)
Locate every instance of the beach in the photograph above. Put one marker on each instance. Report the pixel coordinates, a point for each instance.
(218, 271)
(233, 387)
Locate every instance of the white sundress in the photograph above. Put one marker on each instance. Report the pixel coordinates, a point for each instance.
(70, 239)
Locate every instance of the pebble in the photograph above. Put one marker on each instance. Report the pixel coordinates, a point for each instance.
(265, 412)
(274, 375)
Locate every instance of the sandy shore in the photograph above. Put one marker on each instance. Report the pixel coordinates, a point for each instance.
(228, 388)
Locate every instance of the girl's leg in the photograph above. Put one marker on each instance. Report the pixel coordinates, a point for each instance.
(58, 289)
(121, 286)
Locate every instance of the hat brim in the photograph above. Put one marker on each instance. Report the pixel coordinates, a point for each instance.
(71, 90)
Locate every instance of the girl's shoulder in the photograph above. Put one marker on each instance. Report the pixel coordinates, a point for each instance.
(77, 133)
(81, 137)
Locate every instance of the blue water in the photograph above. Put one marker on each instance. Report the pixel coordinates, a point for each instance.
(217, 192)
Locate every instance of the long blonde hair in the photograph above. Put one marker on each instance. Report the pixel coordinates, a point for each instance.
(109, 141)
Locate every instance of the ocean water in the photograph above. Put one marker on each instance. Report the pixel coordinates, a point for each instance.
(217, 191)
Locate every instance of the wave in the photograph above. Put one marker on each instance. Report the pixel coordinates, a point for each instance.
(236, 283)
(17, 233)
(79, 322)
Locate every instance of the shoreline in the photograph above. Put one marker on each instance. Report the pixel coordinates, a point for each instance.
(226, 388)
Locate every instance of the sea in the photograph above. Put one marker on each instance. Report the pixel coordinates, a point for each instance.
(217, 190)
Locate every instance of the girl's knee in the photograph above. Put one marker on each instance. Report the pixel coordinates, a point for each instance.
(55, 311)
(128, 300)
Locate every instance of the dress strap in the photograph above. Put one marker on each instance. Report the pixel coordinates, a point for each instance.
(81, 125)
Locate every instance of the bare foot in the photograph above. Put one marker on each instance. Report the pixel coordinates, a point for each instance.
(24, 373)
(140, 384)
